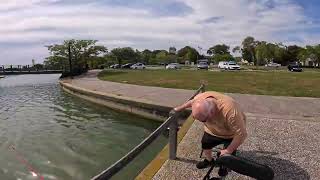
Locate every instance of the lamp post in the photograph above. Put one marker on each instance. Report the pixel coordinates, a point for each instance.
(200, 52)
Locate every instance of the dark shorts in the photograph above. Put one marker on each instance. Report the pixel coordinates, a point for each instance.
(208, 141)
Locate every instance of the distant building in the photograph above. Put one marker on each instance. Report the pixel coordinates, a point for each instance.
(172, 50)
(310, 62)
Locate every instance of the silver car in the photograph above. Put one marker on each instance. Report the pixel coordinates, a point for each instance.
(203, 65)
(138, 66)
(173, 66)
(271, 64)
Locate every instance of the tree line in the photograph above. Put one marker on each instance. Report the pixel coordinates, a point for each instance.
(86, 54)
(262, 52)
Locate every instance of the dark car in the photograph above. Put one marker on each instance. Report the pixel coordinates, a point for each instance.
(127, 66)
(295, 67)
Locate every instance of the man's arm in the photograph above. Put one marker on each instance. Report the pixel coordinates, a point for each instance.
(236, 142)
(184, 106)
(238, 125)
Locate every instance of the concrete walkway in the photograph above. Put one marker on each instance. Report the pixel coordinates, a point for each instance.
(283, 131)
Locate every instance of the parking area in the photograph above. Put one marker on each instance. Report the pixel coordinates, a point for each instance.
(211, 67)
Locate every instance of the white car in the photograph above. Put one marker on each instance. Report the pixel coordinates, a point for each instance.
(173, 66)
(272, 64)
(232, 66)
(138, 66)
(222, 64)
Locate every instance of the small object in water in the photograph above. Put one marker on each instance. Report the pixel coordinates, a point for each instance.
(34, 174)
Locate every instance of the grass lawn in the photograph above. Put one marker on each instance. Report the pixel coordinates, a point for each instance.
(278, 83)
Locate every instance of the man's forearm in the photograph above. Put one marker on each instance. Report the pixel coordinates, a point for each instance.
(184, 106)
(235, 143)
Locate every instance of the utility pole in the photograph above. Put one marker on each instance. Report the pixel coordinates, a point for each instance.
(200, 52)
(70, 63)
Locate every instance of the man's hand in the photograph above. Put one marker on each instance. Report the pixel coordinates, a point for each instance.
(225, 151)
(172, 112)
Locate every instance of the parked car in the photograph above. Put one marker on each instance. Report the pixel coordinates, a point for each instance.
(138, 66)
(173, 66)
(295, 67)
(231, 65)
(272, 64)
(115, 66)
(222, 64)
(203, 65)
(127, 66)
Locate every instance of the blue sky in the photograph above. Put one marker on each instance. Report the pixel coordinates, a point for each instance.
(26, 26)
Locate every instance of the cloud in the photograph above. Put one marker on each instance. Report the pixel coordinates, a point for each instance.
(27, 25)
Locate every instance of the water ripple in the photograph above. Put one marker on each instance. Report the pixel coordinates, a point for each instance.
(61, 136)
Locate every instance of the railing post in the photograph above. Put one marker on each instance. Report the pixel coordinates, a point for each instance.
(173, 131)
(203, 88)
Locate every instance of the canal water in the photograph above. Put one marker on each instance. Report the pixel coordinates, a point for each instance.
(47, 132)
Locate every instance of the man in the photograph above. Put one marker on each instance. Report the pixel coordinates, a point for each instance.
(224, 123)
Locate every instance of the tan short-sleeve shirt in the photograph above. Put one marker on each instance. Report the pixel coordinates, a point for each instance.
(230, 120)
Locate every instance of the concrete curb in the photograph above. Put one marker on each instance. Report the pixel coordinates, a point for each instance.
(136, 106)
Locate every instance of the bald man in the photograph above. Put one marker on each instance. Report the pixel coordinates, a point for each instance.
(224, 123)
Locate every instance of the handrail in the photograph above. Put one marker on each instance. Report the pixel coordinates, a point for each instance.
(121, 163)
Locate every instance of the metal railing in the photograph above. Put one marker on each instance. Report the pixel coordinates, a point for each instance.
(171, 122)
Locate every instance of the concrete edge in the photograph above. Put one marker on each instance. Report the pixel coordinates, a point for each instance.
(120, 103)
(153, 167)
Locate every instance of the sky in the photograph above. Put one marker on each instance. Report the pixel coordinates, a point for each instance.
(27, 26)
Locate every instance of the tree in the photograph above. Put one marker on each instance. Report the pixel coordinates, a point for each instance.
(220, 52)
(311, 53)
(280, 54)
(188, 53)
(317, 53)
(56, 63)
(161, 57)
(293, 52)
(124, 54)
(82, 52)
(146, 56)
(38, 67)
(223, 57)
(248, 49)
(219, 49)
(264, 52)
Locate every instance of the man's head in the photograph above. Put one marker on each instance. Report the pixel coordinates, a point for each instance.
(203, 110)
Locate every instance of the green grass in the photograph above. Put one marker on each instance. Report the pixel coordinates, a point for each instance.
(278, 83)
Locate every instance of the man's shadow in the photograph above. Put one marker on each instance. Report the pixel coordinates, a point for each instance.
(283, 169)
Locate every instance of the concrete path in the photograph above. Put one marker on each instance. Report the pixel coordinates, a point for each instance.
(283, 131)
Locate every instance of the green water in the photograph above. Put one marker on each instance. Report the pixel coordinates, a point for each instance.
(59, 136)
